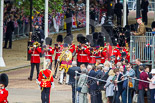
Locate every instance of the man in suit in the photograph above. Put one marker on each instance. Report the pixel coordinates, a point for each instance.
(99, 75)
(92, 84)
(118, 11)
(69, 21)
(71, 73)
(143, 86)
(144, 9)
(92, 19)
(9, 31)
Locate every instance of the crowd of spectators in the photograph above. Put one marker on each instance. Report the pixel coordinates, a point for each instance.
(108, 83)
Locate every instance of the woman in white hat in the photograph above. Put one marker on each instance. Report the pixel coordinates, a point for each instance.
(152, 86)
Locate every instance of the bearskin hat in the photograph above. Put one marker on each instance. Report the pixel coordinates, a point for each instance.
(71, 37)
(83, 40)
(89, 38)
(95, 35)
(48, 41)
(59, 38)
(93, 43)
(153, 24)
(4, 79)
(79, 36)
(100, 42)
(127, 27)
(133, 27)
(67, 40)
(148, 29)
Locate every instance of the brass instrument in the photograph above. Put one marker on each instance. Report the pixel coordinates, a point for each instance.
(101, 49)
(30, 36)
(35, 44)
(127, 46)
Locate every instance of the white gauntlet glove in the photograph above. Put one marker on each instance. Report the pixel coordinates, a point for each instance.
(52, 85)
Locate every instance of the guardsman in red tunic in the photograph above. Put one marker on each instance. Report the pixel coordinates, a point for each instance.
(45, 80)
(58, 48)
(127, 54)
(117, 54)
(82, 52)
(102, 50)
(35, 58)
(108, 49)
(3, 85)
(48, 51)
(92, 54)
(72, 46)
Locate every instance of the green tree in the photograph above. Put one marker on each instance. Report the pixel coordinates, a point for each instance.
(39, 5)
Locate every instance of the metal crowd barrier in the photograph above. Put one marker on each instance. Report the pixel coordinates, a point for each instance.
(143, 47)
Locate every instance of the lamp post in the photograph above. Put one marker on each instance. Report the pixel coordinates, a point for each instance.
(124, 13)
(46, 19)
(30, 34)
(87, 17)
(2, 63)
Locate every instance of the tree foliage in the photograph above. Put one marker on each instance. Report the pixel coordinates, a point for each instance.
(39, 5)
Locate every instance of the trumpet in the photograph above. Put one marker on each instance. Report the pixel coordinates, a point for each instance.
(35, 45)
(127, 46)
(101, 49)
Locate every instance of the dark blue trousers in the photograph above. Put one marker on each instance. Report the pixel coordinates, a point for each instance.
(45, 95)
(32, 69)
(93, 94)
(152, 95)
(73, 93)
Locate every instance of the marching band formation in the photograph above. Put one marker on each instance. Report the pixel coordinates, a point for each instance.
(90, 49)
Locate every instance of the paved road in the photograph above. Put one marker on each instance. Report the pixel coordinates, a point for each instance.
(23, 91)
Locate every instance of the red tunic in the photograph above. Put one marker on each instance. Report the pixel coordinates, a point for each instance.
(58, 51)
(102, 54)
(72, 49)
(127, 54)
(49, 53)
(35, 55)
(92, 56)
(3, 95)
(117, 53)
(45, 77)
(108, 52)
(82, 55)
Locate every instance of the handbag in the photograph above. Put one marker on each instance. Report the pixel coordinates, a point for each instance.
(80, 88)
(135, 98)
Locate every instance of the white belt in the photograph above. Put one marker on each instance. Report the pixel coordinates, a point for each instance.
(83, 54)
(34, 54)
(102, 58)
(92, 56)
(48, 55)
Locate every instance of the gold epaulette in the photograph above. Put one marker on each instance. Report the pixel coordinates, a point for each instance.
(41, 70)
